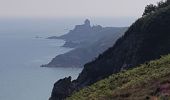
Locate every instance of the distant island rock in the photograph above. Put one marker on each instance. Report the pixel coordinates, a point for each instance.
(53, 37)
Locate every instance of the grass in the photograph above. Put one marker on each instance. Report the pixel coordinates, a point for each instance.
(141, 83)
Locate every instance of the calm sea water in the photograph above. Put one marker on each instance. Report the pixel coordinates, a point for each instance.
(21, 54)
(21, 77)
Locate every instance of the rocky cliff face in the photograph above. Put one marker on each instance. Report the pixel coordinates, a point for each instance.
(147, 39)
(62, 89)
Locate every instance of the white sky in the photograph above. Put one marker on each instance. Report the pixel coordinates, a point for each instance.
(72, 8)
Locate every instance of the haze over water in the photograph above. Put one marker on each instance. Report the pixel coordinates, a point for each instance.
(21, 54)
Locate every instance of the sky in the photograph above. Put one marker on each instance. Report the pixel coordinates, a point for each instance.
(72, 8)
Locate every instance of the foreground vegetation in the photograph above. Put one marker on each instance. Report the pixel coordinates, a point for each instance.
(150, 81)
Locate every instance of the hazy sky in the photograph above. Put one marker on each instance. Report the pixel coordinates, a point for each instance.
(72, 8)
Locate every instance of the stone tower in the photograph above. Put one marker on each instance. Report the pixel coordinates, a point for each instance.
(87, 22)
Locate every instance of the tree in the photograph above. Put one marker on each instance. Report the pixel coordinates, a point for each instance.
(168, 2)
(162, 4)
(149, 9)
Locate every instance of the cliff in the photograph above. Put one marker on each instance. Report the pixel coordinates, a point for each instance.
(147, 39)
(88, 43)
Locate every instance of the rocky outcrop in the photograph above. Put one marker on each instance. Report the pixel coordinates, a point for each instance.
(62, 89)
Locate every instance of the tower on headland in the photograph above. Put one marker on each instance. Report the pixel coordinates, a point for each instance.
(87, 22)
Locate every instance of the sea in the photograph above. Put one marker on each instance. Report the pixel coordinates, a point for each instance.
(24, 48)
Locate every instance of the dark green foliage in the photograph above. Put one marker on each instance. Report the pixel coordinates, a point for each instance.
(163, 4)
(152, 8)
(149, 8)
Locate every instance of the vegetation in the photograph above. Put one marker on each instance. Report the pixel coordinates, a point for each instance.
(148, 81)
(149, 8)
(152, 8)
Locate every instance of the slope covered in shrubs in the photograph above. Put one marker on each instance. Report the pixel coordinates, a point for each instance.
(147, 81)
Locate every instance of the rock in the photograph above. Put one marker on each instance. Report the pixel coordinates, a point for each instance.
(62, 89)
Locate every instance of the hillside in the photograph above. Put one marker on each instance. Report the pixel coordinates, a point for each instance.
(88, 42)
(146, 39)
(150, 81)
(85, 53)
